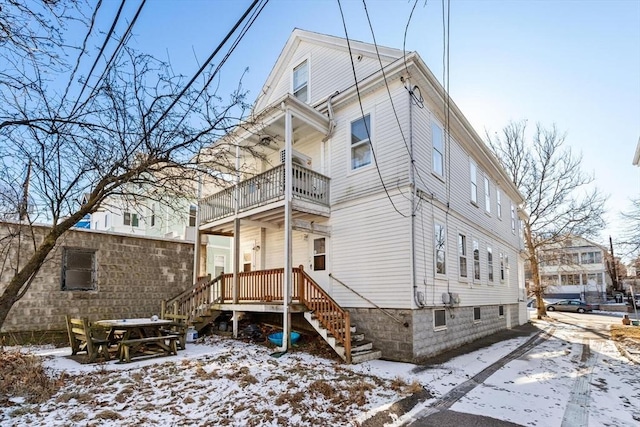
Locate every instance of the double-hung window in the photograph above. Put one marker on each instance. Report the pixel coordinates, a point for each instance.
(462, 254)
(473, 171)
(440, 249)
(361, 142)
(513, 219)
(130, 219)
(476, 260)
(490, 262)
(501, 267)
(78, 269)
(498, 203)
(301, 81)
(487, 196)
(193, 215)
(437, 141)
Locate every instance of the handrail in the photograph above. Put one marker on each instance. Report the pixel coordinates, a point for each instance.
(405, 324)
(331, 316)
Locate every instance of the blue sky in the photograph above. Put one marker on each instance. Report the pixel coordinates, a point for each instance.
(572, 63)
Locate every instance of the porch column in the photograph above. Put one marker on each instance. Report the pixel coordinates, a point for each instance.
(236, 242)
(197, 246)
(288, 190)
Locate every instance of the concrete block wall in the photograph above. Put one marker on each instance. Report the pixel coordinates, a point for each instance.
(134, 274)
(421, 340)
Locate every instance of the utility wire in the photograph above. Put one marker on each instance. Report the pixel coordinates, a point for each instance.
(393, 107)
(355, 78)
(406, 29)
(202, 68)
(104, 45)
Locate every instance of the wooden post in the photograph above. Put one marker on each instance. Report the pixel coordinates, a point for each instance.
(288, 252)
(301, 284)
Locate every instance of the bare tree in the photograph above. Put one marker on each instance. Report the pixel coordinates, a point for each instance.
(559, 199)
(138, 125)
(631, 238)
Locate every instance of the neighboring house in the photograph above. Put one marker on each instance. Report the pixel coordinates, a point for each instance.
(400, 216)
(577, 268)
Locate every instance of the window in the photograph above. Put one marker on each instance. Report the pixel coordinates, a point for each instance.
(439, 319)
(106, 221)
(591, 258)
(473, 170)
(319, 254)
(153, 215)
(440, 252)
(490, 262)
(501, 310)
(300, 82)
(218, 265)
(498, 203)
(501, 267)
(476, 314)
(247, 260)
(487, 196)
(130, 219)
(570, 279)
(438, 149)
(592, 279)
(193, 210)
(78, 269)
(513, 219)
(360, 142)
(462, 254)
(476, 260)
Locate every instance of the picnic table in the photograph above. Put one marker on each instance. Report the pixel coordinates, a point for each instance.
(140, 337)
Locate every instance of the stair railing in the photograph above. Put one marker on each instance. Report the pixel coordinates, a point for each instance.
(195, 302)
(331, 316)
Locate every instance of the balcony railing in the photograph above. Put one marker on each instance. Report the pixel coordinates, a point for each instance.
(265, 188)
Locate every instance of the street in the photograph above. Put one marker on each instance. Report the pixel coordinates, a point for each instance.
(572, 375)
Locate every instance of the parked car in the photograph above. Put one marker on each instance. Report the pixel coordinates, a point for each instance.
(573, 305)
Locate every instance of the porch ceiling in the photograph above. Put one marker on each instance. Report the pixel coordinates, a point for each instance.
(270, 216)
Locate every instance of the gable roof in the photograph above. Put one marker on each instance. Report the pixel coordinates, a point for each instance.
(298, 35)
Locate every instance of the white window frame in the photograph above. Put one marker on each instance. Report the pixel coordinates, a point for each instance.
(477, 274)
(295, 89)
(473, 173)
(193, 215)
(462, 256)
(361, 142)
(501, 311)
(477, 318)
(438, 154)
(437, 326)
(513, 219)
(490, 263)
(487, 196)
(502, 276)
(498, 203)
(440, 247)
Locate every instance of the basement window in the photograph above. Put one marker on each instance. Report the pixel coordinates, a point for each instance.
(78, 269)
(501, 310)
(476, 314)
(439, 319)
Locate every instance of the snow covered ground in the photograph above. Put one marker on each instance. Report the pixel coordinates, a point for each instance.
(228, 382)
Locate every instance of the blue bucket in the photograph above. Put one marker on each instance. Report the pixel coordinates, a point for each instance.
(276, 338)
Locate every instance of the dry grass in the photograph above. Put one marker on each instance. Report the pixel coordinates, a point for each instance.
(621, 332)
(22, 375)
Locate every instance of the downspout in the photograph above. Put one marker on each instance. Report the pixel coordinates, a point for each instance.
(412, 183)
(332, 123)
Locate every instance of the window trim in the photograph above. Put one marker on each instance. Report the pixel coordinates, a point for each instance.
(436, 326)
(306, 62)
(477, 314)
(434, 150)
(442, 242)
(501, 311)
(369, 127)
(513, 219)
(487, 196)
(473, 178)
(463, 254)
(490, 272)
(476, 261)
(67, 250)
(498, 203)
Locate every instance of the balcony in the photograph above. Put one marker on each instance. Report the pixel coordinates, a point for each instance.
(264, 189)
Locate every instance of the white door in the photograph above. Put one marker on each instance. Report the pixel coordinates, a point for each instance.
(318, 265)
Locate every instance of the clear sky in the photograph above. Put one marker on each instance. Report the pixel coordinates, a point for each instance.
(572, 63)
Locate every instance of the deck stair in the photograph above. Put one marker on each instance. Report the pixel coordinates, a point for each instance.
(202, 303)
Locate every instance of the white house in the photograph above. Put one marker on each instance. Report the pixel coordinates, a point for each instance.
(576, 269)
(357, 173)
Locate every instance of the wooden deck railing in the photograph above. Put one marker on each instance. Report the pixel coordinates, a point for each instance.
(265, 188)
(266, 286)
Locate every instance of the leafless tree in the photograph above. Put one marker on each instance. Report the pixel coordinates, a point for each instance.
(631, 238)
(559, 199)
(120, 134)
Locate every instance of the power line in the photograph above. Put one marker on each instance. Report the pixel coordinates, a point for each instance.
(355, 78)
(202, 68)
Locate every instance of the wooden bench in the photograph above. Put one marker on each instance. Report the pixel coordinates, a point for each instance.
(82, 339)
(179, 327)
(149, 346)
